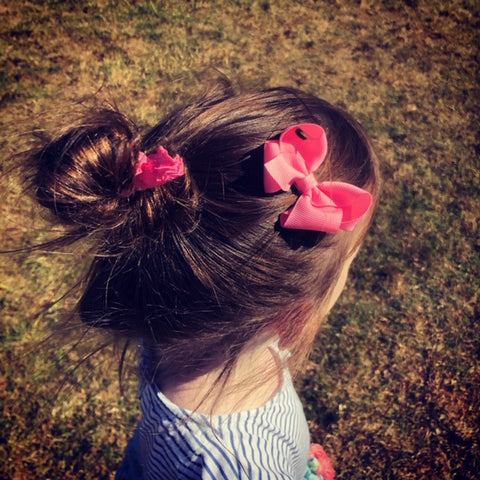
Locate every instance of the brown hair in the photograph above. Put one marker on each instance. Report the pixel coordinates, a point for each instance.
(200, 266)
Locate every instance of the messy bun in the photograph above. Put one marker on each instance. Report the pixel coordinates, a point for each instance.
(200, 266)
(80, 175)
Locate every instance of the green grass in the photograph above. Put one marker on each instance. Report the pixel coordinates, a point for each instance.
(393, 388)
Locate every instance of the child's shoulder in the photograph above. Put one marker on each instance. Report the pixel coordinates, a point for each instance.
(266, 436)
(256, 379)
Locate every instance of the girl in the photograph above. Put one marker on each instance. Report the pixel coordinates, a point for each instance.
(222, 238)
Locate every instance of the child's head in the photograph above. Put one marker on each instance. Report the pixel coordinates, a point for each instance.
(200, 266)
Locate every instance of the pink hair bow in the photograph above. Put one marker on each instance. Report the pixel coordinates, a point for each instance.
(156, 169)
(322, 206)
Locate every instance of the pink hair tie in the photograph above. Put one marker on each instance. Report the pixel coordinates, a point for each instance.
(321, 206)
(155, 170)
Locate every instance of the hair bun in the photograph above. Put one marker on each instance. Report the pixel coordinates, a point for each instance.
(80, 175)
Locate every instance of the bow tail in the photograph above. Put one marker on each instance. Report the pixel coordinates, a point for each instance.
(353, 200)
(304, 215)
(329, 207)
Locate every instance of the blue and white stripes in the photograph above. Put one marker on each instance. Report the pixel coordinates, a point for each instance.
(270, 442)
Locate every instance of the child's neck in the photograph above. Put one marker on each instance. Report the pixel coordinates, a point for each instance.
(254, 380)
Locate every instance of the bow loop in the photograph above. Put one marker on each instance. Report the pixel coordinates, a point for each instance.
(279, 173)
(300, 151)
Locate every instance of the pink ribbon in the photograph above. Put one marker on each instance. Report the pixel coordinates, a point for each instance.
(322, 206)
(156, 169)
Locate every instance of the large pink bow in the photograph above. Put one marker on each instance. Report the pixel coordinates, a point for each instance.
(325, 206)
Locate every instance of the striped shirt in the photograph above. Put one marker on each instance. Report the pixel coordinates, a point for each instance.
(171, 443)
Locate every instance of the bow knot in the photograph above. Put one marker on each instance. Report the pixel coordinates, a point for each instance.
(304, 184)
(322, 206)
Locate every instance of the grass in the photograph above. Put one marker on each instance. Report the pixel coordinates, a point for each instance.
(393, 388)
